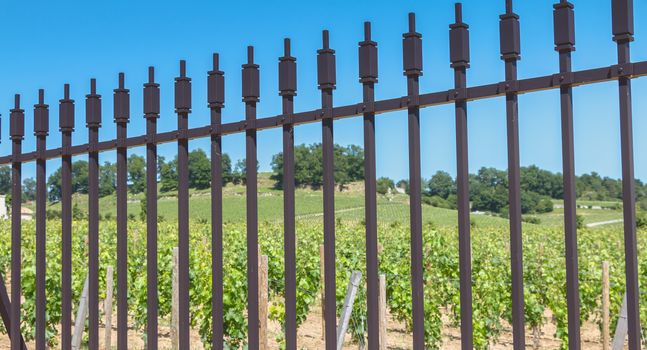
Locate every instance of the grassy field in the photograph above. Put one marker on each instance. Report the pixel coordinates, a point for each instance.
(349, 206)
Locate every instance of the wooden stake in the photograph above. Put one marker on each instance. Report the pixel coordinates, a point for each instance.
(107, 308)
(81, 316)
(347, 309)
(174, 303)
(382, 312)
(322, 290)
(262, 299)
(605, 305)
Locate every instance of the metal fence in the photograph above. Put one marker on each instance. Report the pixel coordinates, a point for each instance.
(413, 101)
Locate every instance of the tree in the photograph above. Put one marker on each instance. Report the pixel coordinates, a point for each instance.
(403, 184)
(199, 169)
(239, 175)
(441, 184)
(227, 175)
(489, 190)
(79, 180)
(384, 184)
(543, 182)
(54, 185)
(107, 179)
(349, 165)
(136, 173)
(29, 189)
(168, 174)
(308, 165)
(492, 199)
(80, 176)
(5, 179)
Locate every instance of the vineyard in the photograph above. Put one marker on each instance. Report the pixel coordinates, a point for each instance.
(543, 270)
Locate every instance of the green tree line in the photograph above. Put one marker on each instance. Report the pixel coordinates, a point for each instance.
(488, 187)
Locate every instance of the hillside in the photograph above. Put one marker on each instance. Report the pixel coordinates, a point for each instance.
(349, 206)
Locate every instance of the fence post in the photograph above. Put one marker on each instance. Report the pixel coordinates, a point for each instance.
(151, 114)
(288, 88)
(368, 78)
(121, 100)
(564, 28)
(623, 31)
(216, 98)
(250, 94)
(326, 79)
(412, 64)
(174, 303)
(17, 130)
(605, 305)
(107, 308)
(510, 49)
(460, 58)
(41, 130)
(93, 122)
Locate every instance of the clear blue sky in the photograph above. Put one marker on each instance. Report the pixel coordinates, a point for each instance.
(46, 44)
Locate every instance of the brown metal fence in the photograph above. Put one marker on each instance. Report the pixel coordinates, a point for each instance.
(413, 101)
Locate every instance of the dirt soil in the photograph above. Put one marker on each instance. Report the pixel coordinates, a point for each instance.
(310, 335)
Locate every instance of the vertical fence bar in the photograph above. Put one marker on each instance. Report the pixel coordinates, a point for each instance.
(412, 65)
(368, 78)
(510, 54)
(41, 130)
(216, 100)
(17, 130)
(121, 117)
(564, 27)
(623, 29)
(326, 77)
(66, 238)
(93, 122)
(251, 93)
(151, 114)
(460, 58)
(287, 91)
(183, 108)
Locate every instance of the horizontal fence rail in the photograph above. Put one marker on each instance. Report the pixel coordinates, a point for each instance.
(500, 89)
(510, 88)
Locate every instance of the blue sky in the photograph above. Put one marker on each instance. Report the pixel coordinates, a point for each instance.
(46, 44)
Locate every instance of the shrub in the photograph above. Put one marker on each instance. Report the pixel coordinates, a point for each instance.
(384, 184)
(545, 205)
(531, 220)
(641, 220)
(580, 221)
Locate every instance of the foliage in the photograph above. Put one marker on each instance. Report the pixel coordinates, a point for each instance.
(641, 220)
(199, 171)
(442, 185)
(308, 165)
(544, 274)
(136, 173)
(79, 180)
(383, 185)
(5, 179)
(29, 189)
(107, 179)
